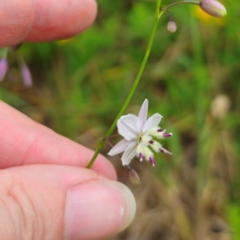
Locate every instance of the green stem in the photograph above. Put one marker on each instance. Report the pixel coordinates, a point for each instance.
(5, 51)
(178, 3)
(158, 14)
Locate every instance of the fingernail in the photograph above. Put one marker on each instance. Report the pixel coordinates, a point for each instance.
(98, 209)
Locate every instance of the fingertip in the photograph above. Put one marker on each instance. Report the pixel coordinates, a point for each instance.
(98, 209)
(55, 195)
(56, 20)
(104, 166)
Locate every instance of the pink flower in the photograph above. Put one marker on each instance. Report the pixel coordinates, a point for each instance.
(3, 68)
(26, 75)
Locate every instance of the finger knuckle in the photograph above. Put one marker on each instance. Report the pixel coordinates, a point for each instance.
(21, 219)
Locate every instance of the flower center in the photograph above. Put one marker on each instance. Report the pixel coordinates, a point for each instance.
(139, 137)
(147, 144)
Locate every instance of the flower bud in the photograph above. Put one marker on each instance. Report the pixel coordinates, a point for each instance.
(26, 75)
(3, 68)
(133, 176)
(172, 26)
(213, 8)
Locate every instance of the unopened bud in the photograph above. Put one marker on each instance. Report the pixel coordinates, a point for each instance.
(172, 26)
(133, 176)
(3, 68)
(213, 8)
(26, 75)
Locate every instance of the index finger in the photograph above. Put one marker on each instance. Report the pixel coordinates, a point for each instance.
(43, 20)
(23, 142)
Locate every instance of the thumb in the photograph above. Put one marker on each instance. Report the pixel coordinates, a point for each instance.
(60, 202)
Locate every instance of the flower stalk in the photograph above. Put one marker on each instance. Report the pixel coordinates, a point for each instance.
(178, 3)
(158, 14)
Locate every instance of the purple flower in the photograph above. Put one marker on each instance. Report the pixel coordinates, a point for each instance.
(139, 136)
(3, 68)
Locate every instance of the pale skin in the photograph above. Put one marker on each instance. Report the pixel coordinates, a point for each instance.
(46, 192)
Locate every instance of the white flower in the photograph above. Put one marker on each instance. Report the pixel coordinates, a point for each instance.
(139, 136)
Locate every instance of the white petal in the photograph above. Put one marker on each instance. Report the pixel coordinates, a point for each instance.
(143, 113)
(153, 121)
(129, 126)
(119, 147)
(129, 153)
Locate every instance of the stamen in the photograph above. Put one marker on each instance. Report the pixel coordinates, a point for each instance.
(151, 142)
(167, 135)
(146, 139)
(156, 146)
(140, 157)
(157, 132)
(152, 161)
(148, 153)
(165, 151)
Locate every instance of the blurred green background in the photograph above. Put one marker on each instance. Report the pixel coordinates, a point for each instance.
(192, 79)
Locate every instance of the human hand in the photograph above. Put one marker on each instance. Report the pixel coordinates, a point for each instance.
(46, 192)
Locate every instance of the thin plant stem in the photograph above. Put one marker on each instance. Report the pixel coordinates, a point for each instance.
(100, 144)
(112, 136)
(178, 3)
(170, 14)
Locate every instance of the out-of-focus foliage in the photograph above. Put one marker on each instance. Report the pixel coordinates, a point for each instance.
(192, 79)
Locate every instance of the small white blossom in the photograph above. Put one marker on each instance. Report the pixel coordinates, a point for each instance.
(139, 136)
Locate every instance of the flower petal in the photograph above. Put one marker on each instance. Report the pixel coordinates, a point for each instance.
(143, 113)
(129, 126)
(129, 153)
(119, 147)
(153, 121)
